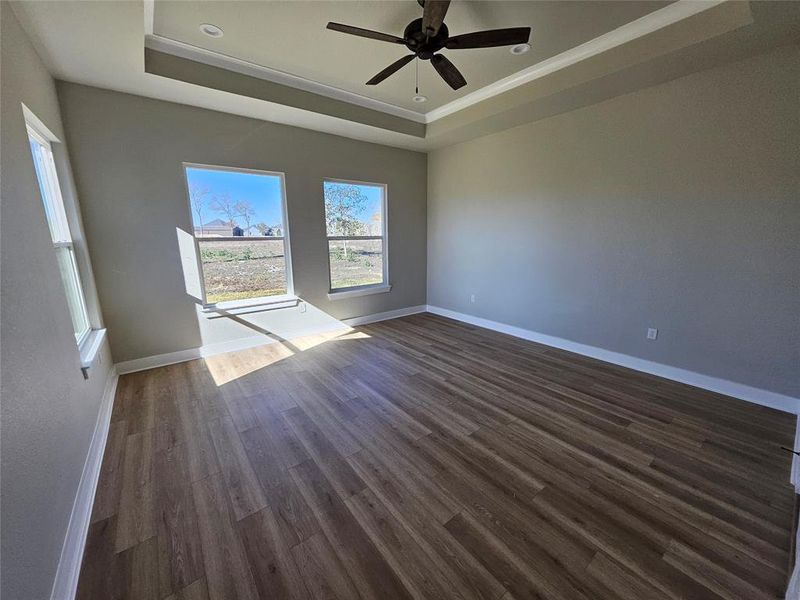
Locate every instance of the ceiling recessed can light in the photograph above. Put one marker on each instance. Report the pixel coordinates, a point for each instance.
(420, 98)
(211, 30)
(520, 48)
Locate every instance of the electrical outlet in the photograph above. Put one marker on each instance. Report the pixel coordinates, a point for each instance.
(472, 299)
(652, 333)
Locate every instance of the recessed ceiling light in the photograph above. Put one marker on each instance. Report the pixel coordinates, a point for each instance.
(520, 48)
(419, 98)
(211, 30)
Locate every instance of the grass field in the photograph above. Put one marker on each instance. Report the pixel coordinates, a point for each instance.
(242, 270)
(355, 263)
(253, 269)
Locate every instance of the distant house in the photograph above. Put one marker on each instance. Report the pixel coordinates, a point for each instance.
(215, 228)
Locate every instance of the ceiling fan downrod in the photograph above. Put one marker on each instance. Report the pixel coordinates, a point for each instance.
(427, 36)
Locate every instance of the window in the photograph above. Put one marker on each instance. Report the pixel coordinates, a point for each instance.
(59, 231)
(355, 216)
(239, 219)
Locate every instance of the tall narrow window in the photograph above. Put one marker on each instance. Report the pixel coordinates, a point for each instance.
(239, 219)
(355, 215)
(59, 231)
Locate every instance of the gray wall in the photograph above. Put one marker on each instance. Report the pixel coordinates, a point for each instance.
(48, 410)
(676, 207)
(127, 153)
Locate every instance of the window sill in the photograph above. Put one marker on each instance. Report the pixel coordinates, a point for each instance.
(90, 348)
(366, 290)
(265, 303)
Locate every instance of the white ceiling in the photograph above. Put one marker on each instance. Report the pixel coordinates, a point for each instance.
(102, 44)
(291, 37)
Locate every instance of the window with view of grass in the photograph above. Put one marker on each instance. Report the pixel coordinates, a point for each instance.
(239, 220)
(355, 215)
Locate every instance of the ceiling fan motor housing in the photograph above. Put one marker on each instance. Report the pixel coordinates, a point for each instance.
(424, 47)
(419, 37)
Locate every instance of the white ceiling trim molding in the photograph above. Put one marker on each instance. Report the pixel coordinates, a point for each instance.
(654, 21)
(149, 16)
(224, 61)
(673, 13)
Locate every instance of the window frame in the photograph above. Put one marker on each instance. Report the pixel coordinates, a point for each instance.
(53, 202)
(370, 288)
(289, 296)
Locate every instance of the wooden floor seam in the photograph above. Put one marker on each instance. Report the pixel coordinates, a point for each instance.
(425, 458)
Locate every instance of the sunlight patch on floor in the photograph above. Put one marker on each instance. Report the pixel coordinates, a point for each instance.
(230, 366)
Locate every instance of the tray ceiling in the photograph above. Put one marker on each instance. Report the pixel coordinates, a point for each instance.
(291, 37)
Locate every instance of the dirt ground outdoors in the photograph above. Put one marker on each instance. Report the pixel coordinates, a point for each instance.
(239, 270)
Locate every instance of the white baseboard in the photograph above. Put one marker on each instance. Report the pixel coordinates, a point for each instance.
(385, 316)
(65, 584)
(66, 580)
(706, 382)
(171, 358)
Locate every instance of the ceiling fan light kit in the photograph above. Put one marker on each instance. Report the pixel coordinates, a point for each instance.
(429, 35)
(211, 30)
(519, 49)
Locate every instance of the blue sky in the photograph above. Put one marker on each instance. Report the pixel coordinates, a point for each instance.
(262, 191)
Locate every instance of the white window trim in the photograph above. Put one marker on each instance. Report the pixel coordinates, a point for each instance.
(90, 340)
(360, 290)
(270, 301)
(370, 288)
(289, 296)
(91, 348)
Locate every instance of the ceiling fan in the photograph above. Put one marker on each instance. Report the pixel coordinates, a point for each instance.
(428, 35)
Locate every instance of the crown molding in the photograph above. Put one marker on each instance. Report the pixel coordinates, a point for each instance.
(673, 13)
(682, 9)
(237, 65)
(149, 16)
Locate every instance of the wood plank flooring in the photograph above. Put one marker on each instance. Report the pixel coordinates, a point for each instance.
(424, 458)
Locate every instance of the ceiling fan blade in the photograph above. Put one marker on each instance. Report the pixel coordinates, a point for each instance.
(448, 71)
(391, 69)
(367, 33)
(490, 38)
(433, 16)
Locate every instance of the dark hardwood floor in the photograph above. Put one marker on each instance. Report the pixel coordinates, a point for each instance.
(425, 458)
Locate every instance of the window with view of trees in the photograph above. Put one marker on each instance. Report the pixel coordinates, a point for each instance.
(239, 219)
(356, 229)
